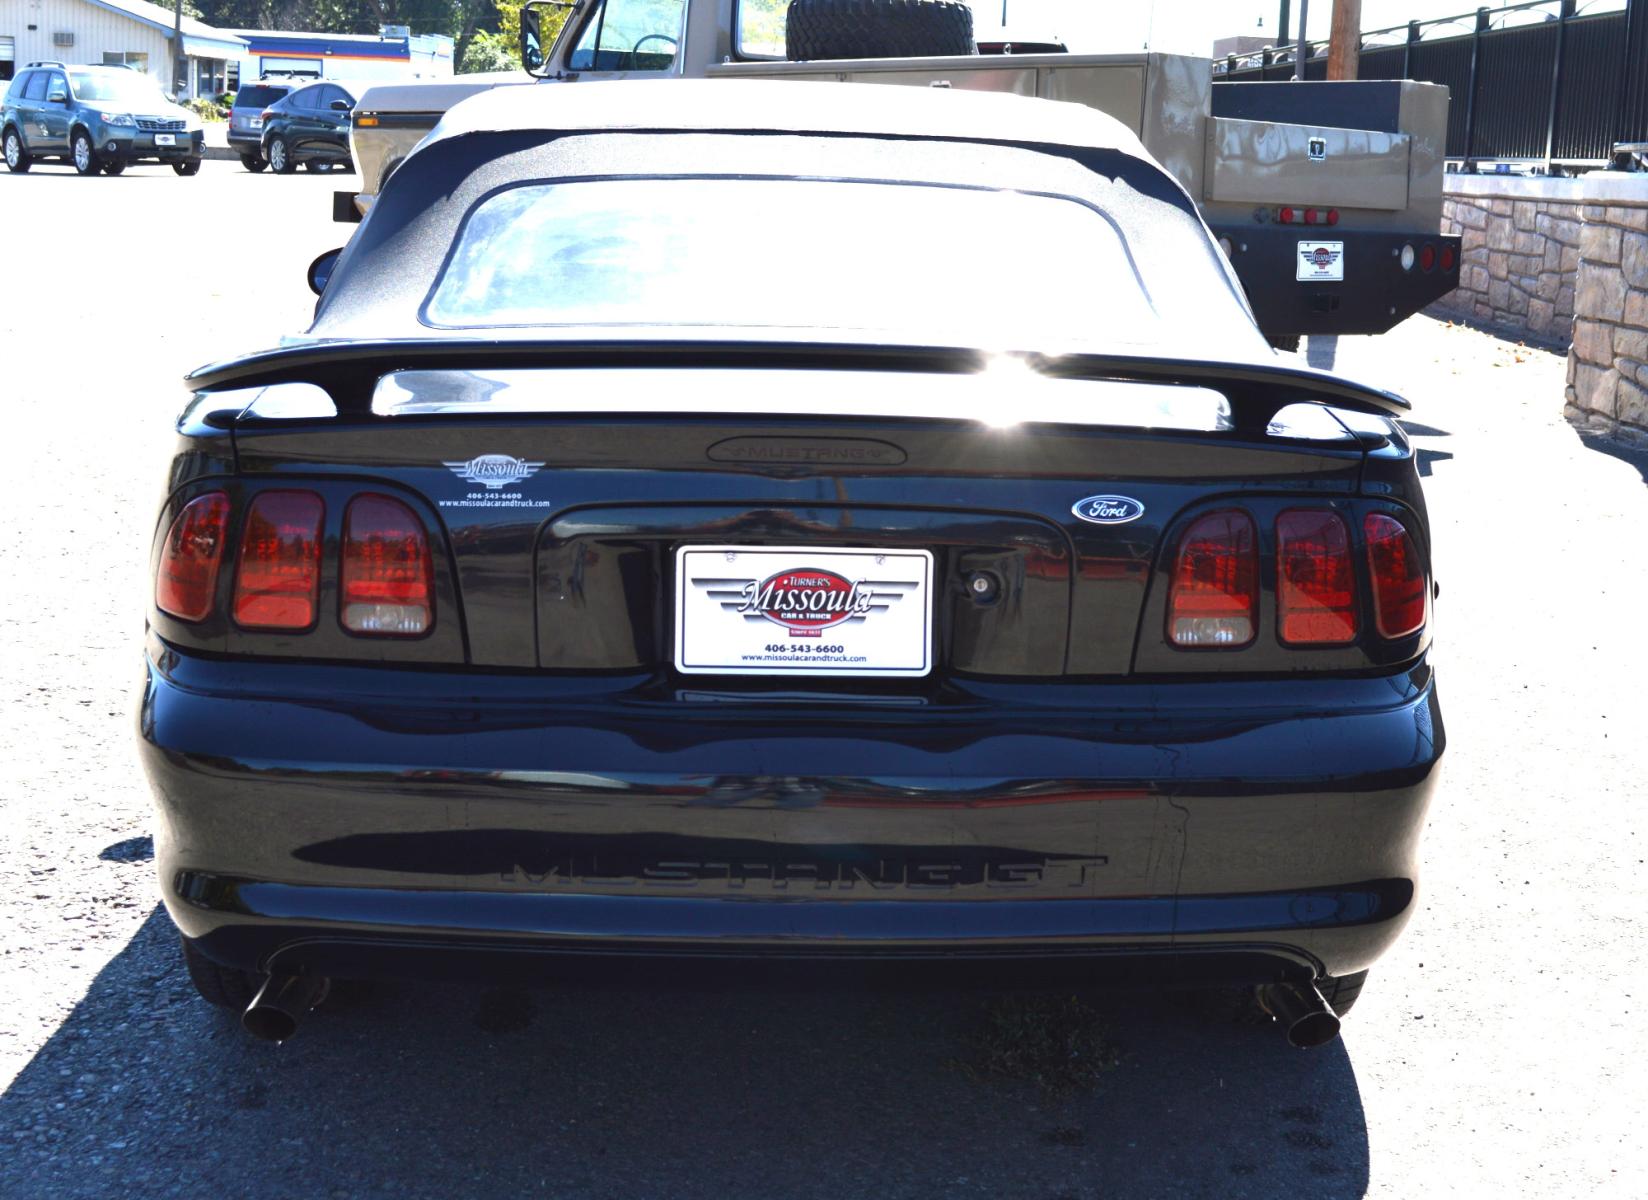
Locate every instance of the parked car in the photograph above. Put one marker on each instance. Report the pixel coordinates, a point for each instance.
(308, 126)
(669, 545)
(95, 119)
(246, 119)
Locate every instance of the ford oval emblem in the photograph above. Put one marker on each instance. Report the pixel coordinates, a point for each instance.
(1108, 510)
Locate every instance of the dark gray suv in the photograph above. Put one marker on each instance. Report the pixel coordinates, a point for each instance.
(96, 119)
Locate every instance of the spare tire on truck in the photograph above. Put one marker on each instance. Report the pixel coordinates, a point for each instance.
(817, 29)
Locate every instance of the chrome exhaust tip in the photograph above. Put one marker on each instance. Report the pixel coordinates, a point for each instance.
(281, 1003)
(1299, 1009)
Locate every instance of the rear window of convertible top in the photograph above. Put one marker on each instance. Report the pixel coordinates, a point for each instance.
(985, 267)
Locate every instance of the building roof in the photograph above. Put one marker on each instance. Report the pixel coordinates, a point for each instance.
(774, 106)
(163, 19)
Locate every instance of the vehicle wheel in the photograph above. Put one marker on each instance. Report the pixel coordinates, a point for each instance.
(1288, 344)
(113, 168)
(84, 155)
(192, 167)
(222, 986)
(17, 159)
(1341, 993)
(252, 163)
(877, 29)
(280, 159)
(316, 167)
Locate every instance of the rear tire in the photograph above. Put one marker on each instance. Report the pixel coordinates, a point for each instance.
(818, 29)
(192, 167)
(83, 154)
(18, 161)
(252, 163)
(113, 168)
(1288, 344)
(316, 167)
(280, 157)
(223, 987)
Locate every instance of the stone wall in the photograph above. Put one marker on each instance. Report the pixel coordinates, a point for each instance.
(1608, 365)
(1521, 244)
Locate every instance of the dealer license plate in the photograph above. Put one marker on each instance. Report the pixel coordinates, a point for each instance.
(770, 610)
(1320, 261)
(165, 139)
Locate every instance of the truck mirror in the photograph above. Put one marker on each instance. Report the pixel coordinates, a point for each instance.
(532, 51)
(320, 271)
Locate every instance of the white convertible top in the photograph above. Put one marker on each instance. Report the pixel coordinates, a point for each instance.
(798, 106)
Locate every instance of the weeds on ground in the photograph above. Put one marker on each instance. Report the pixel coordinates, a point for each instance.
(1056, 1042)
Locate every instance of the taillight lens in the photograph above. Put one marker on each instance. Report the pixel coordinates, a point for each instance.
(1399, 583)
(1427, 257)
(387, 571)
(186, 579)
(1315, 579)
(278, 576)
(1215, 592)
(1447, 258)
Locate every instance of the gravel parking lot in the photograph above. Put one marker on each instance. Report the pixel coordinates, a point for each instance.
(1497, 1050)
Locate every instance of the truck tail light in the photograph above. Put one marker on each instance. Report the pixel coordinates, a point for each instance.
(1447, 258)
(186, 579)
(1315, 578)
(1399, 584)
(278, 576)
(1214, 597)
(387, 587)
(1427, 257)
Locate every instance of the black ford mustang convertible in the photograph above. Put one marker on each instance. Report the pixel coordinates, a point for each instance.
(676, 545)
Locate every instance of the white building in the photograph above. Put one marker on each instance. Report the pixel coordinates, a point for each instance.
(133, 32)
(394, 55)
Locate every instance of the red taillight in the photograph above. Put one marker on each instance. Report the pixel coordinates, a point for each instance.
(266, 114)
(1333, 216)
(1285, 216)
(1310, 216)
(1447, 258)
(1399, 584)
(278, 575)
(1427, 257)
(186, 580)
(387, 571)
(1315, 581)
(1215, 592)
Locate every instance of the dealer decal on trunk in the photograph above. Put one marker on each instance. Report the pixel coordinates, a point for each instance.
(494, 473)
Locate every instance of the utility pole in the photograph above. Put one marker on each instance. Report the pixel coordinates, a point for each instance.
(1345, 39)
(1282, 26)
(180, 63)
(1301, 50)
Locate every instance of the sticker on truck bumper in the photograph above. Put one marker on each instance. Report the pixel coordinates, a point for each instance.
(743, 610)
(1320, 262)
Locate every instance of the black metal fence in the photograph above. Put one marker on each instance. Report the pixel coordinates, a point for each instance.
(1554, 81)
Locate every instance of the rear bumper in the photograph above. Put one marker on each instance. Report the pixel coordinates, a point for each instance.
(374, 821)
(1376, 294)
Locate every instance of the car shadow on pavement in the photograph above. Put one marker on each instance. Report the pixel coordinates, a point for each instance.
(454, 1090)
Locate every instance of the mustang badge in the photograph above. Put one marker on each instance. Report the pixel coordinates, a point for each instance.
(494, 471)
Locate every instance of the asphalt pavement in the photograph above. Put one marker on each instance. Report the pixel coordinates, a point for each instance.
(1496, 1051)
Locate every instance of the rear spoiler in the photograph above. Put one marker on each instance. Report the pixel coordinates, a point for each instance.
(348, 371)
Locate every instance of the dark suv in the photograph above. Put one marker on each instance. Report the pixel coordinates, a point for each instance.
(246, 120)
(97, 119)
(309, 126)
